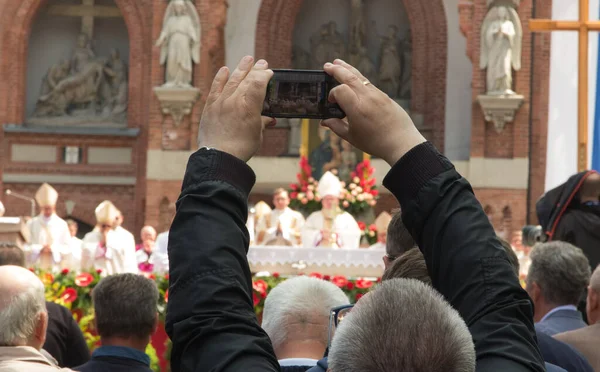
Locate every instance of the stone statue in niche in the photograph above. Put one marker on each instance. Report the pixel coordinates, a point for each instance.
(180, 43)
(366, 66)
(358, 31)
(390, 65)
(406, 81)
(327, 44)
(83, 90)
(501, 37)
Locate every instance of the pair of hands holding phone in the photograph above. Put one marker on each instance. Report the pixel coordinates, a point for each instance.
(232, 121)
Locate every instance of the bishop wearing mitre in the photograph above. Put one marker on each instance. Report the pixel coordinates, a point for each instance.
(330, 227)
(282, 223)
(49, 234)
(381, 223)
(104, 248)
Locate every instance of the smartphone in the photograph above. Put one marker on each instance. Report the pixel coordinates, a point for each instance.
(301, 94)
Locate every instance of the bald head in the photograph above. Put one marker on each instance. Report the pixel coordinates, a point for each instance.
(590, 190)
(23, 316)
(148, 233)
(593, 298)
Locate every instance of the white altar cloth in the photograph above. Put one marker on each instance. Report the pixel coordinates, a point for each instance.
(292, 261)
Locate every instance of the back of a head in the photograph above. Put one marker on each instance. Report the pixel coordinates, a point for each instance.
(10, 254)
(399, 239)
(561, 270)
(301, 304)
(125, 306)
(595, 280)
(22, 302)
(410, 265)
(590, 190)
(402, 325)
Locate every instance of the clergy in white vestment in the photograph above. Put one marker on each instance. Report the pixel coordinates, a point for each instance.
(381, 223)
(281, 222)
(104, 248)
(258, 213)
(131, 264)
(72, 259)
(160, 257)
(49, 234)
(330, 227)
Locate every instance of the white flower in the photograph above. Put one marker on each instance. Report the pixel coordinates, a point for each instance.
(359, 189)
(354, 192)
(356, 180)
(301, 196)
(352, 186)
(360, 197)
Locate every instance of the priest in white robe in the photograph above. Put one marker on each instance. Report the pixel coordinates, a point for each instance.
(49, 234)
(330, 227)
(129, 240)
(104, 248)
(72, 260)
(256, 215)
(281, 222)
(160, 257)
(381, 223)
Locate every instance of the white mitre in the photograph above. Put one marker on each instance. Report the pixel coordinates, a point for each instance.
(261, 209)
(106, 213)
(329, 185)
(2, 210)
(382, 222)
(46, 196)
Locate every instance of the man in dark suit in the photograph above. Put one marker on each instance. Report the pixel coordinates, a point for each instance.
(126, 318)
(558, 275)
(64, 340)
(587, 339)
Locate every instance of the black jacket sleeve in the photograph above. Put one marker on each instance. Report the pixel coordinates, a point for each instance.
(466, 262)
(210, 314)
(77, 349)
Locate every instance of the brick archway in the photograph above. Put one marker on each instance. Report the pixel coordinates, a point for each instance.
(15, 29)
(274, 34)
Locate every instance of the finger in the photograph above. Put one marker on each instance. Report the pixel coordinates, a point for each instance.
(352, 69)
(338, 126)
(254, 86)
(345, 76)
(217, 85)
(238, 75)
(344, 96)
(268, 122)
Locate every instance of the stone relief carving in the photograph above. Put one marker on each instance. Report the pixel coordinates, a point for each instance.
(180, 43)
(83, 89)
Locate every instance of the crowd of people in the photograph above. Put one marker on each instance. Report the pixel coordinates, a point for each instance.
(450, 297)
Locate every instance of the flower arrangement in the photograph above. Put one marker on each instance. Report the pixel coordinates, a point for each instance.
(368, 232)
(359, 195)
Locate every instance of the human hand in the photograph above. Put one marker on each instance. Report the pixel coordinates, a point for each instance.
(375, 123)
(231, 121)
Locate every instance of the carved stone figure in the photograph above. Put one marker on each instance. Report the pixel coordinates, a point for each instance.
(366, 66)
(326, 45)
(83, 55)
(180, 43)
(55, 75)
(116, 69)
(406, 81)
(501, 36)
(358, 30)
(390, 68)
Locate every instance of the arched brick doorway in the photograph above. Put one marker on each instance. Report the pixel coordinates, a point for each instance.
(274, 33)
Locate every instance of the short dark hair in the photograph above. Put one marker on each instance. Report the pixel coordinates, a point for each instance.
(10, 254)
(399, 239)
(410, 265)
(125, 306)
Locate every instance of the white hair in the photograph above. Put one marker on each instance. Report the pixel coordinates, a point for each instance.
(19, 314)
(298, 301)
(402, 325)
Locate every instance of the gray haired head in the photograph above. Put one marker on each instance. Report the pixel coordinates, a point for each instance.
(399, 239)
(402, 325)
(561, 271)
(125, 306)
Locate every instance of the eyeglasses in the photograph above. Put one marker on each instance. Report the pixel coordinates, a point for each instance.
(105, 226)
(336, 315)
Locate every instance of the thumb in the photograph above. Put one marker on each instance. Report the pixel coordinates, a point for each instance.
(338, 126)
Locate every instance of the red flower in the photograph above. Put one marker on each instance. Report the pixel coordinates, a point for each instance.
(364, 284)
(263, 295)
(256, 299)
(260, 286)
(358, 296)
(32, 269)
(166, 276)
(362, 225)
(69, 295)
(294, 187)
(304, 188)
(167, 295)
(340, 281)
(316, 275)
(64, 271)
(374, 192)
(378, 280)
(84, 279)
(350, 286)
(98, 271)
(275, 275)
(372, 227)
(48, 278)
(293, 195)
(152, 277)
(326, 277)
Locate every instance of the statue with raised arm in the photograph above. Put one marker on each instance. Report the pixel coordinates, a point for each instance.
(501, 36)
(180, 42)
(390, 68)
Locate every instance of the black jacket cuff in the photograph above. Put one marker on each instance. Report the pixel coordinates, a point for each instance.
(414, 170)
(213, 165)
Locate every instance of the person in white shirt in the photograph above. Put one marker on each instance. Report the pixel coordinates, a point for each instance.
(330, 227)
(160, 257)
(72, 259)
(2, 210)
(131, 263)
(104, 248)
(145, 250)
(49, 234)
(381, 223)
(281, 222)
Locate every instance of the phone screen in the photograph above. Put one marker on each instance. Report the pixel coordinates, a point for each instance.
(301, 94)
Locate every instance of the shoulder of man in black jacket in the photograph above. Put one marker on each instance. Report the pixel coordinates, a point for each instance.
(64, 339)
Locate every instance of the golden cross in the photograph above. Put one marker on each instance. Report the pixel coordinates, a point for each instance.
(87, 11)
(583, 26)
